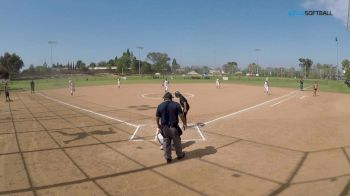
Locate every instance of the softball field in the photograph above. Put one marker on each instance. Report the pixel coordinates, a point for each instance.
(101, 141)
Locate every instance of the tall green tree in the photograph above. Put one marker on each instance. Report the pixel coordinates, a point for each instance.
(146, 68)
(174, 66)
(205, 69)
(102, 64)
(80, 65)
(110, 63)
(92, 64)
(305, 64)
(31, 69)
(124, 63)
(160, 61)
(42, 69)
(253, 68)
(230, 67)
(11, 63)
(346, 67)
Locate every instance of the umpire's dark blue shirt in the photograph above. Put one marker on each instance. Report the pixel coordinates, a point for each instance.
(169, 112)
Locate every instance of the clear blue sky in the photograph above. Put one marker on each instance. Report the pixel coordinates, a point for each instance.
(195, 32)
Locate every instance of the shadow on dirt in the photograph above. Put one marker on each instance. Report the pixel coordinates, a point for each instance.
(142, 107)
(187, 144)
(199, 153)
(82, 135)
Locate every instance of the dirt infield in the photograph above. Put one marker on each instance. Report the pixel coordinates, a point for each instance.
(101, 142)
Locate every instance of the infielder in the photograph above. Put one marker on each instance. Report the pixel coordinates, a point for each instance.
(71, 87)
(166, 85)
(315, 88)
(217, 83)
(118, 82)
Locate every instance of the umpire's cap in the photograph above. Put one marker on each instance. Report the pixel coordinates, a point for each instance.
(167, 95)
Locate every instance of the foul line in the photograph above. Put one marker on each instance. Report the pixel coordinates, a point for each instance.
(90, 111)
(302, 97)
(247, 109)
(282, 101)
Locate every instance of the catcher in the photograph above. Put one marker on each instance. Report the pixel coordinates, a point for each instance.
(184, 103)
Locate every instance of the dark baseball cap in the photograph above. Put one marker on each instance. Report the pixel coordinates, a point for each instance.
(167, 95)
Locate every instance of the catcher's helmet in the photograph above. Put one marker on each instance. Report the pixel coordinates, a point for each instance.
(177, 94)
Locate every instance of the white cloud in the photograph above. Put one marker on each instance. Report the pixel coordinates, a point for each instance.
(339, 8)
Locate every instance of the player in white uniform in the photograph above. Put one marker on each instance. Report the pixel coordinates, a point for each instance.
(217, 83)
(266, 87)
(118, 81)
(166, 85)
(71, 87)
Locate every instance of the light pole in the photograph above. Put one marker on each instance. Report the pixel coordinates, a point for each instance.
(336, 39)
(51, 43)
(140, 48)
(257, 59)
(348, 24)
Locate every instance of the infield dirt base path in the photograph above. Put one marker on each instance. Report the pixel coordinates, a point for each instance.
(287, 143)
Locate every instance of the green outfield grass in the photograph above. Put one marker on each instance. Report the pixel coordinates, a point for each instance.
(43, 84)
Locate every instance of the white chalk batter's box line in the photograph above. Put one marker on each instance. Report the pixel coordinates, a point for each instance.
(132, 138)
(137, 127)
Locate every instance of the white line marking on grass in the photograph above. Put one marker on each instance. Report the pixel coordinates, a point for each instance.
(283, 100)
(250, 108)
(89, 111)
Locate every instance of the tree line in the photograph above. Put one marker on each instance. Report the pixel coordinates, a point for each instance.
(158, 62)
(10, 64)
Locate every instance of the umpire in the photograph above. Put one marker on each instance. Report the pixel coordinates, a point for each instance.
(167, 118)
